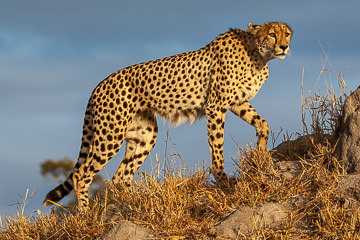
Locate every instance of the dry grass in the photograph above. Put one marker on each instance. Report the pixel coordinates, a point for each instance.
(177, 203)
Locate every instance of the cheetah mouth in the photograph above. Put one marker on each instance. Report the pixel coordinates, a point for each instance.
(283, 53)
(280, 55)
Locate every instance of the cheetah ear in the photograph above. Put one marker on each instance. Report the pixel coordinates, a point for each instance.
(252, 26)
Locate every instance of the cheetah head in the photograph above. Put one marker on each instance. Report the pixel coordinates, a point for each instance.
(272, 38)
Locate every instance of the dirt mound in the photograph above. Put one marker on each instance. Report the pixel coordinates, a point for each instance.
(127, 231)
(245, 220)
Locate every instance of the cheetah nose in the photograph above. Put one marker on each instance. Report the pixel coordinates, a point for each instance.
(284, 47)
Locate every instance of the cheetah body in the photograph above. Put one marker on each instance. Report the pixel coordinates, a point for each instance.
(222, 76)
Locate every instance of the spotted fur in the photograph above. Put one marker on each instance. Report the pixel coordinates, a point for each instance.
(208, 82)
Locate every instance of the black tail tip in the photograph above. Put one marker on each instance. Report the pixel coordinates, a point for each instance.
(55, 195)
(47, 202)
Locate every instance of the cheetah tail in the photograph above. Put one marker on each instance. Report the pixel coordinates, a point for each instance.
(59, 192)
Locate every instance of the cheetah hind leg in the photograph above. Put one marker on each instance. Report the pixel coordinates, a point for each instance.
(140, 139)
(104, 145)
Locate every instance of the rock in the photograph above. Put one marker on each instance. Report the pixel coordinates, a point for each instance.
(347, 134)
(289, 169)
(127, 231)
(292, 149)
(349, 188)
(245, 220)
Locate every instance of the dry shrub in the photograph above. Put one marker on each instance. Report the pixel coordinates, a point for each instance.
(323, 110)
(259, 180)
(55, 226)
(181, 203)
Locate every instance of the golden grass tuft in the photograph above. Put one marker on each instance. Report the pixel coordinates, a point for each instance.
(180, 204)
(55, 226)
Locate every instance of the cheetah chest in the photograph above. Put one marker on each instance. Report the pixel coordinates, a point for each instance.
(250, 84)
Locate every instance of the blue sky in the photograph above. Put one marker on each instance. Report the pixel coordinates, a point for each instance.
(53, 53)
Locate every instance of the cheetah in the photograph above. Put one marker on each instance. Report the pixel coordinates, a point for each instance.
(208, 82)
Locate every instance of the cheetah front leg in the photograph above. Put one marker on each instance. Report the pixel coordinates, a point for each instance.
(248, 114)
(215, 118)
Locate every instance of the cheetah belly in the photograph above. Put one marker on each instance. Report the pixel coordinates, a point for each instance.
(190, 110)
(178, 105)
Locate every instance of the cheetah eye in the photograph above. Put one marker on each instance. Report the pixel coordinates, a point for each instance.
(272, 35)
(287, 34)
